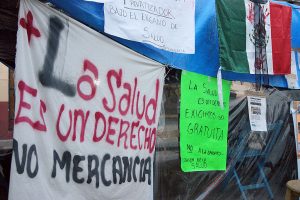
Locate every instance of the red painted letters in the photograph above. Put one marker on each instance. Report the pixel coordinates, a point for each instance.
(23, 105)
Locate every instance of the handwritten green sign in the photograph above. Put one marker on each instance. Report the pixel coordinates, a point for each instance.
(203, 123)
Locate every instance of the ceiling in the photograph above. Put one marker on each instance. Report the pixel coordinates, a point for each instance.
(8, 31)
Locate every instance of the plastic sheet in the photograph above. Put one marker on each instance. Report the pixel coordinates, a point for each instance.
(279, 165)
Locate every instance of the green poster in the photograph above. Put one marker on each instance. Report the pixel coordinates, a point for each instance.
(203, 123)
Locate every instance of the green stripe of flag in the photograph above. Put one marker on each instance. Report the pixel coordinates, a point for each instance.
(231, 16)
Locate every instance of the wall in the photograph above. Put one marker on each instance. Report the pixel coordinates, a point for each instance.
(3, 83)
(3, 102)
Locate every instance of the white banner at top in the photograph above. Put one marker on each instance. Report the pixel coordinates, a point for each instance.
(167, 24)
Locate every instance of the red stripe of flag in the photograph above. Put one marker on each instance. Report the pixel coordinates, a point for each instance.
(281, 17)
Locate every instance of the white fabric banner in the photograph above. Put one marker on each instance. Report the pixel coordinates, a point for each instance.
(257, 107)
(87, 110)
(167, 24)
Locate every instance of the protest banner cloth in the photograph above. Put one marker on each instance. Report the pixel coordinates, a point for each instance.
(87, 110)
(163, 24)
(203, 123)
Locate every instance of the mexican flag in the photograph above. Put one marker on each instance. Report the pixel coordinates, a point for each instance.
(254, 37)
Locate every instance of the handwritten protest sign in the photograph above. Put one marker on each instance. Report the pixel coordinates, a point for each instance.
(163, 24)
(203, 124)
(87, 110)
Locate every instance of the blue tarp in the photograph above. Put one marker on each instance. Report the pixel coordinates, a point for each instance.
(206, 58)
(204, 61)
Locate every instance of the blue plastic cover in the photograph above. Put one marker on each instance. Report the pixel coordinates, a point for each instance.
(206, 58)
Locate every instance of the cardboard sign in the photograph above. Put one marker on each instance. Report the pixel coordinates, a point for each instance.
(203, 123)
(87, 110)
(163, 24)
(257, 107)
